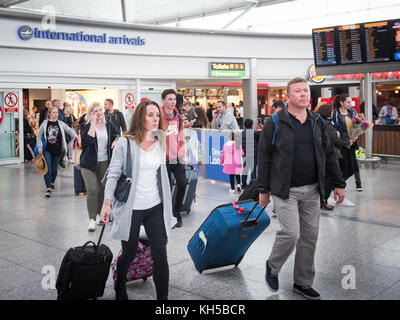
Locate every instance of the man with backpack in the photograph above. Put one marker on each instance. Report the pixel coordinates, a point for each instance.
(294, 156)
(175, 148)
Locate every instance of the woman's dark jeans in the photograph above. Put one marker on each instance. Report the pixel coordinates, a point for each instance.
(153, 221)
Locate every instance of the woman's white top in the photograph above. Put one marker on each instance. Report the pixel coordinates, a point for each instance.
(102, 141)
(146, 193)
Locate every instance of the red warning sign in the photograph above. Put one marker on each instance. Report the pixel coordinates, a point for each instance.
(11, 102)
(1, 114)
(129, 100)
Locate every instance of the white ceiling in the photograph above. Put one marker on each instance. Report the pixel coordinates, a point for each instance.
(270, 16)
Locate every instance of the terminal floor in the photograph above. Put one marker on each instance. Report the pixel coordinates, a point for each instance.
(36, 231)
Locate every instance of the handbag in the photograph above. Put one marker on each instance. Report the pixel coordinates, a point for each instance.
(123, 187)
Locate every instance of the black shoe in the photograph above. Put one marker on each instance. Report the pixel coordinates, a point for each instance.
(359, 188)
(307, 292)
(271, 280)
(120, 291)
(178, 224)
(61, 164)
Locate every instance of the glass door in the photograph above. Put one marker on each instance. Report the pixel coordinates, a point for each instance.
(11, 135)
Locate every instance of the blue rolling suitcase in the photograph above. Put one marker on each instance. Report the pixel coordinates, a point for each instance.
(225, 235)
(190, 192)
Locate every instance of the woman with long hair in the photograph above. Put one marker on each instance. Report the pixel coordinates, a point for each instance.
(98, 137)
(348, 162)
(54, 132)
(149, 201)
(201, 119)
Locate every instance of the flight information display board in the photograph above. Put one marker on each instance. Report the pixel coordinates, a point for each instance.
(377, 41)
(324, 47)
(350, 44)
(396, 35)
(357, 47)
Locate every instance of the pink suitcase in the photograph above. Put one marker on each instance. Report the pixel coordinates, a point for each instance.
(141, 267)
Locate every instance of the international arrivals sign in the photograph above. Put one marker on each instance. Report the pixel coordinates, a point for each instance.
(26, 33)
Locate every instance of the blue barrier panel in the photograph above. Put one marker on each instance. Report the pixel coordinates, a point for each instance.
(214, 144)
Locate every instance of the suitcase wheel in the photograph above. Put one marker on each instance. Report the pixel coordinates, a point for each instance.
(145, 278)
(240, 260)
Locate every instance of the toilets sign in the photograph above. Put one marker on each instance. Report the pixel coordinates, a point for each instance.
(26, 33)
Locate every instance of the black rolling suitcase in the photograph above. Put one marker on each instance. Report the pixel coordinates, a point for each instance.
(30, 143)
(79, 183)
(84, 271)
(191, 175)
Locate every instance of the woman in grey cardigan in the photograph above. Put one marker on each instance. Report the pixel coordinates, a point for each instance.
(149, 200)
(54, 132)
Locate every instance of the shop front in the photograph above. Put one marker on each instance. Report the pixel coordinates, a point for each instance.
(385, 89)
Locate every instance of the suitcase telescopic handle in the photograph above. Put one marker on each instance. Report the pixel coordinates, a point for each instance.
(249, 224)
(101, 236)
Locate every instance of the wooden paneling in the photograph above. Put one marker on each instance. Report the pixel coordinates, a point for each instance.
(384, 141)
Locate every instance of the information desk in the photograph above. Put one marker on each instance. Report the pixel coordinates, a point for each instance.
(386, 140)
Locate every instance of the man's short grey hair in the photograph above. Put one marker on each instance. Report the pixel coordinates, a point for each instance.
(294, 81)
(53, 102)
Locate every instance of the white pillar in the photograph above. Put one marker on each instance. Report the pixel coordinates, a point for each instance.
(138, 92)
(367, 98)
(250, 105)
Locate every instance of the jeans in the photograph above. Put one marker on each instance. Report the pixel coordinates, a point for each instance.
(95, 189)
(52, 165)
(179, 172)
(153, 221)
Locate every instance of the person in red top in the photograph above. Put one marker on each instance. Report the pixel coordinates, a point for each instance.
(175, 148)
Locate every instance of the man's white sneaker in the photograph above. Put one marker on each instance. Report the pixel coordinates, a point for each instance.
(347, 203)
(232, 192)
(92, 225)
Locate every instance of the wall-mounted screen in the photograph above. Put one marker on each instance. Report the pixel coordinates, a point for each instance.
(324, 47)
(377, 41)
(350, 44)
(396, 35)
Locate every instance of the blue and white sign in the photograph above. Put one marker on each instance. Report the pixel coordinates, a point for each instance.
(26, 33)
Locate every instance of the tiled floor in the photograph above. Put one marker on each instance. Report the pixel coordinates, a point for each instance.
(35, 232)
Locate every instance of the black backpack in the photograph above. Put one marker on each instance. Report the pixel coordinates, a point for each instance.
(84, 271)
(251, 192)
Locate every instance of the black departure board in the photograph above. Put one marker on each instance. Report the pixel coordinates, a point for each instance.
(350, 44)
(377, 41)
(324, 47)
(396, 35)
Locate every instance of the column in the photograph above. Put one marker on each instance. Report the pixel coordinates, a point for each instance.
(367, 98)
(250, 93)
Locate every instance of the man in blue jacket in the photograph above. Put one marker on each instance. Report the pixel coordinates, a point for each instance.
(292, 169)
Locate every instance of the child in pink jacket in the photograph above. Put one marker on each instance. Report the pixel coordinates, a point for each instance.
(231, 159)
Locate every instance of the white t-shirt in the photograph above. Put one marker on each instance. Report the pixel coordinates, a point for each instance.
(102, 141)
(146, 193)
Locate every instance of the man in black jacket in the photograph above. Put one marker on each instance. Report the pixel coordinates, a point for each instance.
(114, 115)
(293, 170)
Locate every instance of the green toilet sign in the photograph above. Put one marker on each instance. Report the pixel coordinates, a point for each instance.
(227, 70)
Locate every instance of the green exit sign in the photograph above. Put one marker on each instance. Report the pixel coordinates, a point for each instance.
(227, 69)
